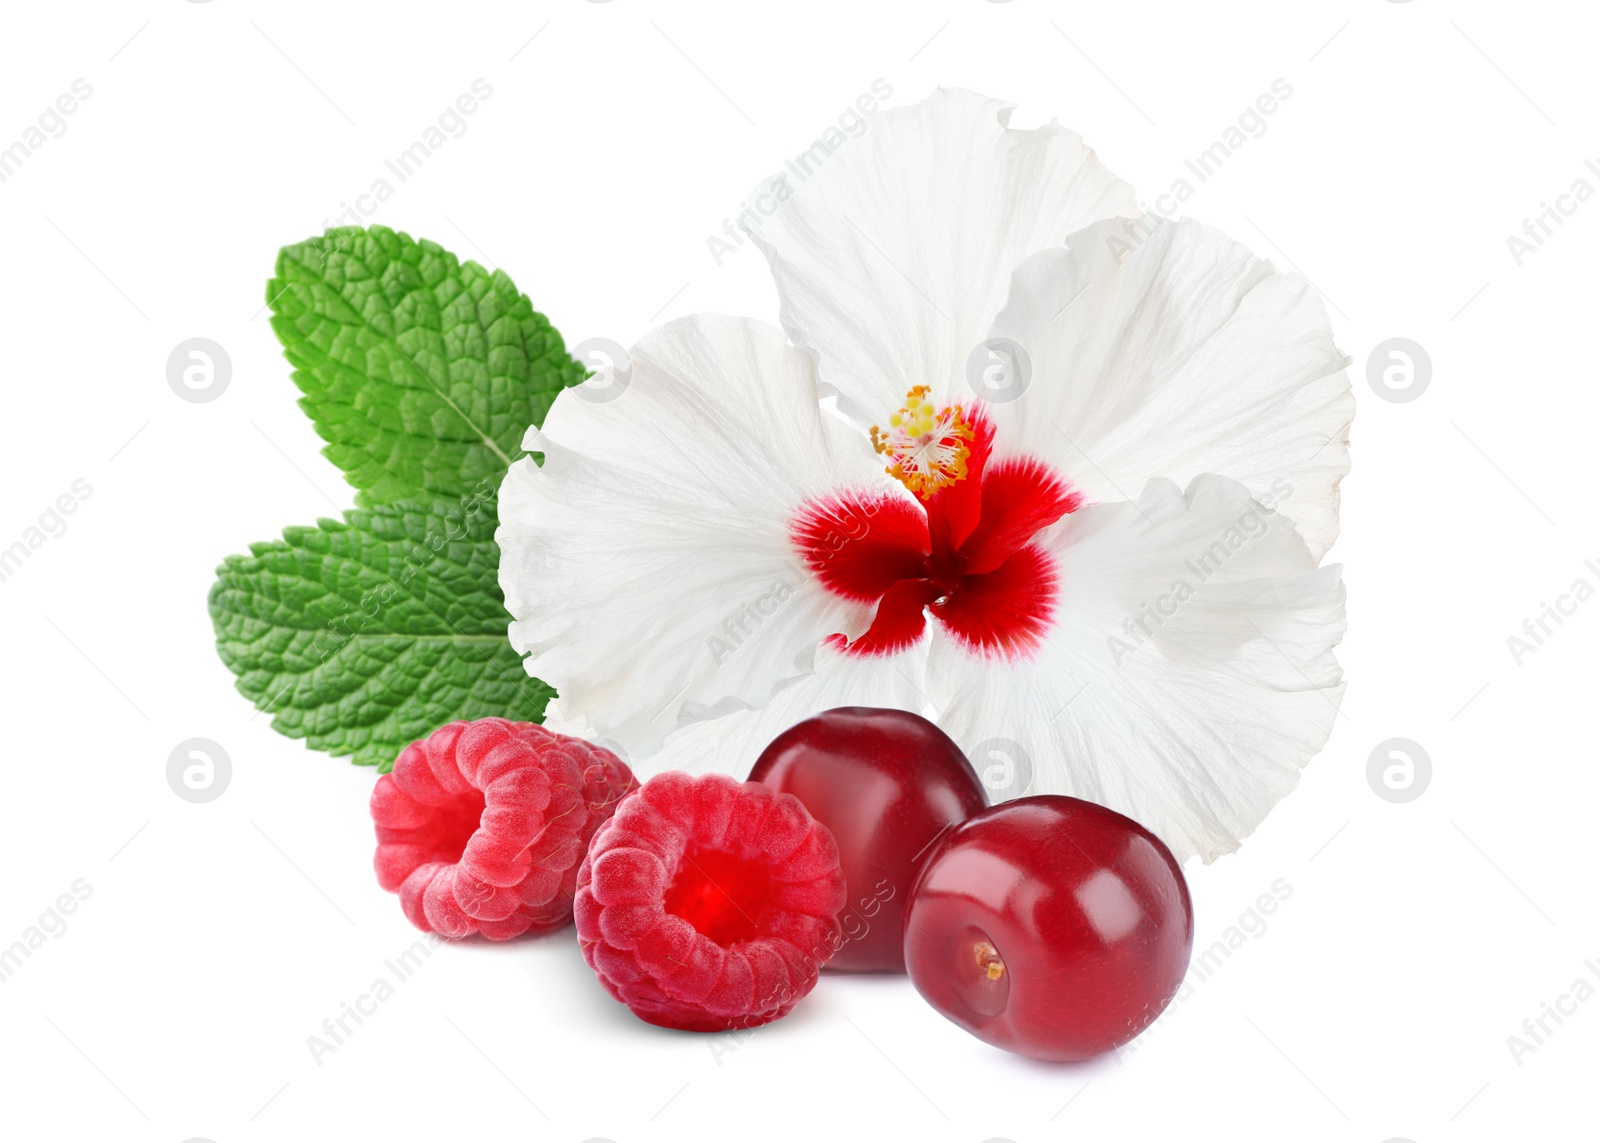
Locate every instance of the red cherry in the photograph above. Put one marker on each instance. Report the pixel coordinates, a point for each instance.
(1050, 926)
(886, 782)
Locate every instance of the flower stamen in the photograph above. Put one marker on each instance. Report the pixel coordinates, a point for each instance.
(927, 448)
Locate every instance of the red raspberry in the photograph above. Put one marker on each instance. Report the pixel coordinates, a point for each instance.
(481, 825)
(708, 904)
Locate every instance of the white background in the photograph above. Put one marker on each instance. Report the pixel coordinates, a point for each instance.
(218, 937)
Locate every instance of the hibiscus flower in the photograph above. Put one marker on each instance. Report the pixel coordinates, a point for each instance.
(1057, 474)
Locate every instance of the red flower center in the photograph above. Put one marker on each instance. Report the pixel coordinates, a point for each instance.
(962, 551)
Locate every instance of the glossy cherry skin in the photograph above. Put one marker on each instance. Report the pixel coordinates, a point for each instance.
(1050, 926)
(886, 782)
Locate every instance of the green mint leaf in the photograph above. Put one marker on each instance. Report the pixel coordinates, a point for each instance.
(365, 635)
(421, 372)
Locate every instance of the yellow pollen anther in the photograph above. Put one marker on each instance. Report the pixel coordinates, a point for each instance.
(927, 448)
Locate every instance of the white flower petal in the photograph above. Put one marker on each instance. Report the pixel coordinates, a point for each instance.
(731, 742)
(893, 254)
(1174, 352)
(647, 563)
(1196, 728)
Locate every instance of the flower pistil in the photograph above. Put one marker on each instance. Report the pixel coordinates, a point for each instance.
(927, 448)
